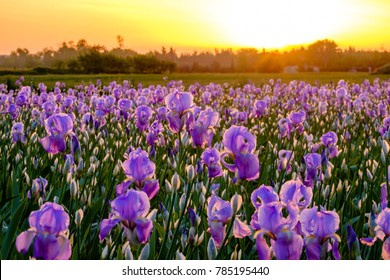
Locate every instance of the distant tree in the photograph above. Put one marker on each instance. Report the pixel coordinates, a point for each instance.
(82, 45)
(322, 52)
(247, 58)
(120, 41)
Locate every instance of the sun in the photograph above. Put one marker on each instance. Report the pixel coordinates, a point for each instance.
(278, 23)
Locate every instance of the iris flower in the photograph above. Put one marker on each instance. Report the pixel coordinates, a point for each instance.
(48, 228)
(178, 104)
(319, 227)
(239, 145)
(139, 170)
(130, 210)
(58, 126)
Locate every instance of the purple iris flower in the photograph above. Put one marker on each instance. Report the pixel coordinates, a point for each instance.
(18, 133)
(288, 245)
(201, 130)
(178, 104)
(329, 140)
(13, 110)
(240, 144)
(20, 100)
(381, 226)
(313, 162)
(319, 227)
(285, 127)
(266, 194)
(140, 171)
(58, 126)
(385, 127)
(297, 193)
(268, 220)
(219, 212)
(143, 114)
(124, 106)
(86, 120)
(162, 113)
(131, 210)
(49, 108)
(285, 159)
(261, 108)
(154, 133)
(297, 119)
(48, 227)
(211, 158)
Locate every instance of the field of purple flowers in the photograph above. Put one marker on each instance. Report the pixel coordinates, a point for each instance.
(213, 171)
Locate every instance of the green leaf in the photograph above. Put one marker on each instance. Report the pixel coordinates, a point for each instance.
(9, 239)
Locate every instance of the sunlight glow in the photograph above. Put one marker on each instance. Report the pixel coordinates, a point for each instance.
(275, 24)
(197, 25)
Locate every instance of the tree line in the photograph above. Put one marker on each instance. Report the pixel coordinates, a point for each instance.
(81, 57)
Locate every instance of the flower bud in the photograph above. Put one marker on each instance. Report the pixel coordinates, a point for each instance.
(73, 188)
(168, 186)
(383, 157)
(385, 147)
(67, 164)
(145, 252)
(236, 202)
(200, 239)
(180, 256)
(192, 235)
(79, 217)
(128, 254)
(182, 202)
(190, 172)
(175, 182)
(369, 175)
(211, 249)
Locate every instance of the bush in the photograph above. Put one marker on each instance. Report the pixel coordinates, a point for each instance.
(385, 69)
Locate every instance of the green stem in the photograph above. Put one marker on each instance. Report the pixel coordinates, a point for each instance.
(180, 219)
(229, 228)
(168, 224)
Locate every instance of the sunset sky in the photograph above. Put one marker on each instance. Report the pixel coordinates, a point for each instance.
(193, 25)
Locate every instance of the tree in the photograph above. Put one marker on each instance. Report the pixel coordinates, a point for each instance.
(322, 52)
(120, 41)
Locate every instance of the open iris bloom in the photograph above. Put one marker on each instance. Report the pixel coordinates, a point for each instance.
(211, 158)
(297, 119)
(313, 162)
(261, 108)
(58, 126)
(48, 232)
(139, 170)
(384, 129)
(285, 159)
(319, 228)
(202, 130)
(381, 227)
(285, 127)
(130, 210)
(239, 145)
(179, 105)
(18, 133)
(143, 114)
(329, 140)
(219, 212)
(269, 222)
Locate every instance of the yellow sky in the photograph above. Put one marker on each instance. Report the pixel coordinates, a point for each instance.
(188, 25)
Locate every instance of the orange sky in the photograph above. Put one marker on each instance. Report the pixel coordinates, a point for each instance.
(188, 25)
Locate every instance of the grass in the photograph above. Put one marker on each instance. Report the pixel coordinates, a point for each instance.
(190, 78)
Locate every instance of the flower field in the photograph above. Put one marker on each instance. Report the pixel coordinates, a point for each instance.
(206, 171)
